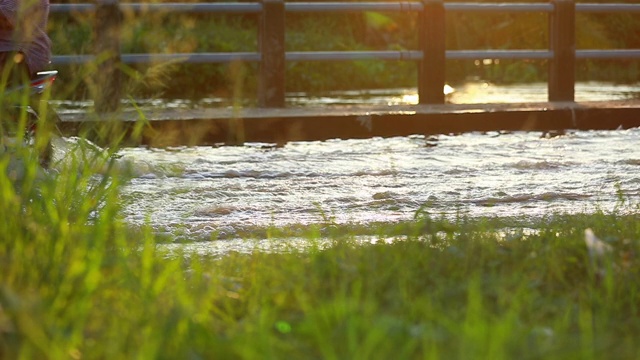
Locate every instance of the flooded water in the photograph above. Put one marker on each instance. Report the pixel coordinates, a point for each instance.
(200, 193)
(204, 193)
(468, 93)
(473, 93)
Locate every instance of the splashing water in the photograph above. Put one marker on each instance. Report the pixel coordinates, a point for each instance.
(204, 192)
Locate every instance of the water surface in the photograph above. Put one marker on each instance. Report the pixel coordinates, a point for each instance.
(468, 93)
(204, 193)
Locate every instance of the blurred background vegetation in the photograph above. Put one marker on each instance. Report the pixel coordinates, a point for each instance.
(192, 33)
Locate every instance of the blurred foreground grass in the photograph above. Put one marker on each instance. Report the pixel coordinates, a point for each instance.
(76, 282)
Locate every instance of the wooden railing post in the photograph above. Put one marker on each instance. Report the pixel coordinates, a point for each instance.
(272, 52)
(106, 39)
(431, 70)
(562, 42)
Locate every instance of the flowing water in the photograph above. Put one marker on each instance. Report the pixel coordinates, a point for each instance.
(200, 193)
(468, 93)
(473, 93)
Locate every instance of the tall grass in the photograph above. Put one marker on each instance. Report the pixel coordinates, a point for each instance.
(77, 282)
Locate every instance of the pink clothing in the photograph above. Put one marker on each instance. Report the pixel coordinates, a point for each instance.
(24, 30)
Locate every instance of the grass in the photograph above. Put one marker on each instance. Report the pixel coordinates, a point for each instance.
(77, 282)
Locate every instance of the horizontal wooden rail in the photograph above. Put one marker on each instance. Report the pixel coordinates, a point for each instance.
(499, 7)
(162, 7)
(608, 54)
(327, 6)
(608, 8)
(195, 58)
(407, 55)
(271, 55)
(499, 54)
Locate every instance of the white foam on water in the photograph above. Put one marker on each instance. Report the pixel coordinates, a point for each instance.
(198, 191)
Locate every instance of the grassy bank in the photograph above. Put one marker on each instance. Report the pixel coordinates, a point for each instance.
(77, 282)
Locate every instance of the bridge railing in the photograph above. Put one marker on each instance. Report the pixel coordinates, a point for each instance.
(272, 57)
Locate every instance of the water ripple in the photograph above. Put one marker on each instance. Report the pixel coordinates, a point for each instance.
(343, 181)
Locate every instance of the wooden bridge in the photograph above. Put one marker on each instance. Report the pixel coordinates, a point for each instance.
(280, 125)
(273, 122)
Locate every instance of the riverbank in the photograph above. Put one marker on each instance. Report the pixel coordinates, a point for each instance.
(442, 290)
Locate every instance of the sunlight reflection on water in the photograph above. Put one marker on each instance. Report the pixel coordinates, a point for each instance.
(467, 93)
(472, 93)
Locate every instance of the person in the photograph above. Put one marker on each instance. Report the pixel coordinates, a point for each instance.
(25, 47)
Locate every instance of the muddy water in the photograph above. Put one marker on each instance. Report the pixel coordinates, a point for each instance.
(202, 193)
(199, 193)
(468, 93)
